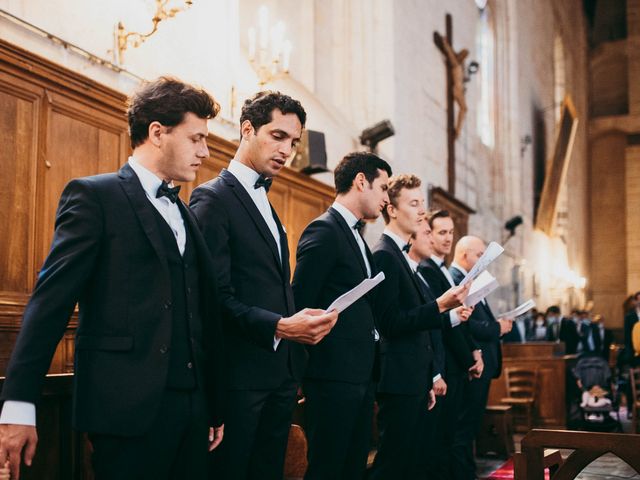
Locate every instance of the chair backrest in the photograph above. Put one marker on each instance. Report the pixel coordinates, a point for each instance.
(522, 382)
(634, 376)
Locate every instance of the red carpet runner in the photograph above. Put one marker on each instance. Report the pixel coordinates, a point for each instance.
(506, 472)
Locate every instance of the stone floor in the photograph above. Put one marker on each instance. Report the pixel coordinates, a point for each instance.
(607, 467)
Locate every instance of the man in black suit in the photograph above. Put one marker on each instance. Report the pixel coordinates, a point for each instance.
(569, 332)
(129, 252)
(332, 258)
(405, 309)
(486, 331)
(250, 252)
(463, 357)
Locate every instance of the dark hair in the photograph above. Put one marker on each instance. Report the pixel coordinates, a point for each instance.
(555, 309)
(439, 213)
(358, 162)
(396, 185)
(259, 109)
(166, 100)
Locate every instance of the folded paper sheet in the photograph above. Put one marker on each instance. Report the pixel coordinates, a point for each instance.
(345, 300)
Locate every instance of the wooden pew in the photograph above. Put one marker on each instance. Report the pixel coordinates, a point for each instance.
(586, 446)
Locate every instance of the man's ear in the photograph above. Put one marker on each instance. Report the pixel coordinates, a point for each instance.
(246, 129)
(360, 181)
(155, 130)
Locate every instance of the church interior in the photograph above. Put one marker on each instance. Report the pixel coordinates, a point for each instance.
(521, 117)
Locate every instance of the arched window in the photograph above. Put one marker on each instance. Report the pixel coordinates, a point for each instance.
(485, 46)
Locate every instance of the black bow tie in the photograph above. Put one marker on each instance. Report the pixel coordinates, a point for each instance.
(443, 265)
(407, 247)
(263, 182)
(359, 225)
(164, 190)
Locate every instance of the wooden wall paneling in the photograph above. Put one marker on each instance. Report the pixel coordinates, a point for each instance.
(19, 112)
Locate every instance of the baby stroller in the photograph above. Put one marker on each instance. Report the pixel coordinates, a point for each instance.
(598, 401)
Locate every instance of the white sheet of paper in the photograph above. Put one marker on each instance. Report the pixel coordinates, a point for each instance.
(480, 288)
(525, 307)
(492, 252)
(345, 300)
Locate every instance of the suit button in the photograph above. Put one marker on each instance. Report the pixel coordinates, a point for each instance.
(190, 315)
(186, 265)
(188, 289)
(189, 365)
(167, 305)
(163, 349)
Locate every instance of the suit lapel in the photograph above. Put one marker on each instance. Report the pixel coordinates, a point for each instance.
(252, 210)
(350, 239)
(393, 247)
(284, 245)
(142, 208)
(441, 275)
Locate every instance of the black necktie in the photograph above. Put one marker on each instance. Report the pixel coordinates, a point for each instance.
(407, 247)
(359, 225)
(164, 190)
(443, 265)
(263, 182)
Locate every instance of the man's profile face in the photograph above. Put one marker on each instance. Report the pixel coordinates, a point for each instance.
(442, 235)
(409, 211)
(183, 148)
(474, 252)
(272, 144)
(421, 244)
(374, 195)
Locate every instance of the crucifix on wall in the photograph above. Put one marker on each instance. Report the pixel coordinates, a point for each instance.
(455, 94)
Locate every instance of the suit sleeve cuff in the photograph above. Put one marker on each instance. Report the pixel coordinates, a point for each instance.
(276, 342)
(436, 378)
(453, 316)
(18, 413)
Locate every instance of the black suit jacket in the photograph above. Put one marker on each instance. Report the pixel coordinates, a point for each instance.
(485, 330)
(569, 335)
(404, 314)
(329, 263)
(107, 255)
(254, 284)
(457, 341)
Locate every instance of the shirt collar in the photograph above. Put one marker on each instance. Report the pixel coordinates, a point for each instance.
(455, 265)
(348, 216)
(396, 238)
(437, 259)
(246, 175)
(150, 181)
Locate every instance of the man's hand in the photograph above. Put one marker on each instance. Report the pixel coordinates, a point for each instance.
(17, 441)
(432, 400)
(453, 297)
(464, 313)
(475, 371)
(307, 326)
(215, 436)
(440, 387)
(506, 324)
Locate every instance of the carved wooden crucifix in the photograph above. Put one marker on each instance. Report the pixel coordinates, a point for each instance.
(455, 93)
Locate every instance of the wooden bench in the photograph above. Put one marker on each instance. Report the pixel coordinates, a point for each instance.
(586, 446)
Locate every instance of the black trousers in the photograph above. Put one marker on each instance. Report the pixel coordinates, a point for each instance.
(402, 422)
(339, 420)
(256, 431)
(475, 394)
(440, 457)
(175, 447)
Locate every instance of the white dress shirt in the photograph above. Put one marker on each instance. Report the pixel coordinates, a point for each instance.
(247, 178)
(351, 220)
(169, 210)
(24, 413)
(453, 316)
(413, 265)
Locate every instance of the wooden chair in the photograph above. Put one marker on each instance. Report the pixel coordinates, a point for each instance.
(634, 402)
(522, 387)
